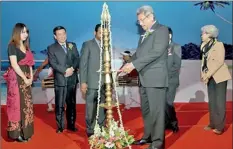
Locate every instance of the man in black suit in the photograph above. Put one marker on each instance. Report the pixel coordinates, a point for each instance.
(150, 60)
(174, 65)
(64, 59)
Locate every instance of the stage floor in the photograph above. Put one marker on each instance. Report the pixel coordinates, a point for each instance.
(192, 118)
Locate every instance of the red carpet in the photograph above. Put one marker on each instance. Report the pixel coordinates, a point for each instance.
(192, 118)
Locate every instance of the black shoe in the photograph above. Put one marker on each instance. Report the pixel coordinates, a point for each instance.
(20, 139)
(72, 129)
(59, 130)
(142, 142)
(89, 134)
(174, 128)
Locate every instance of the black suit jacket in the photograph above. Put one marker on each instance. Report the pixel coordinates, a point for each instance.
(60, 61)
(150, 58)
(174, 63)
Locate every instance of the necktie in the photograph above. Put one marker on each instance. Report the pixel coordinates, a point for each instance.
(64, 47)
(99, 44)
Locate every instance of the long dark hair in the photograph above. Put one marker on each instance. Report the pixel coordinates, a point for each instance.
(16, 35)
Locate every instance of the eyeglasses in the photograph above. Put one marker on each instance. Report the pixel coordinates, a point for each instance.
(142, 21)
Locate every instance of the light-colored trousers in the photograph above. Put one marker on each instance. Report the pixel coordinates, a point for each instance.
(129, 95)
(49, 92)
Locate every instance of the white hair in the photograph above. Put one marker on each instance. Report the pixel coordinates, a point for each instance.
(210, 29)
(146, 10)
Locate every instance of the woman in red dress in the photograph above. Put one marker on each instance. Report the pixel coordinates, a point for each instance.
(19, 78)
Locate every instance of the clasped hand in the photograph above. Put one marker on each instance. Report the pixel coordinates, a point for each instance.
(28, 82)
(69, 72)
(205, 78)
